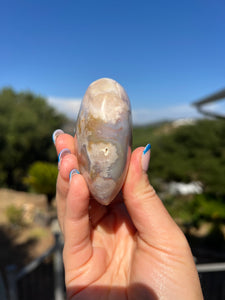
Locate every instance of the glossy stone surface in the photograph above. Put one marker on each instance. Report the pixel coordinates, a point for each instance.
(104, 134)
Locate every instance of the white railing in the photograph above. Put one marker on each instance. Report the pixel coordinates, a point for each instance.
(211, 267)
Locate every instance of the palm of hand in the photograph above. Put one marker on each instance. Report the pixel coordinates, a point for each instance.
(118, 259)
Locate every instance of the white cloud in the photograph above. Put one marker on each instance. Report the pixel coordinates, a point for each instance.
(68, 106)
(218, 107)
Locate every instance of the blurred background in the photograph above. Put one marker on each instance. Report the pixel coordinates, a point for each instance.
(167, 55)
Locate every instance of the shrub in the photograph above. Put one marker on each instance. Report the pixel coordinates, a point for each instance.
(42, 179)
(14, 215)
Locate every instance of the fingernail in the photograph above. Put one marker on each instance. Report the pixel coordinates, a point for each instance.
(62, 154)
(56, 133)
(73, 172)
(145, 158)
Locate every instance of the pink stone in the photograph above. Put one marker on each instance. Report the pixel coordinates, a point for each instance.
(104, 135)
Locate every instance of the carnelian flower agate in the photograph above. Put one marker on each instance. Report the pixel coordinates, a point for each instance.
(104, 135)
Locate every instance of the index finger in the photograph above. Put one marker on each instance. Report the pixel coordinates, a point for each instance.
(63, 140)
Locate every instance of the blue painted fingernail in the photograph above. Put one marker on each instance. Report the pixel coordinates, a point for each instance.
(147, 148)
(63, 153)
(145, 158)
(73, 172)
(56, 133)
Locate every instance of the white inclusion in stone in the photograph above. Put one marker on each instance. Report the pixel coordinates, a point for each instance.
(107, 107)
(105, 154)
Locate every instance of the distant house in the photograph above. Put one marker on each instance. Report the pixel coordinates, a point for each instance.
(180, 188)
(183, 122)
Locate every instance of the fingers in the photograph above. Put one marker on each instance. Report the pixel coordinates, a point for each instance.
(67, 162)
(63, 140)
(66, 148)
(76, 223)
(147, 211)
(72, 197)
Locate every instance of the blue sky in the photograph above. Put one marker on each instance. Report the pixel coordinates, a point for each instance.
(166, 54)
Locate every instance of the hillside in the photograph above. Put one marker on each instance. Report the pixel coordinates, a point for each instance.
(186, 153)
(192, 152)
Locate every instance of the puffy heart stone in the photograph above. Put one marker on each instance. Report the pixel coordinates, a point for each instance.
(104, 135)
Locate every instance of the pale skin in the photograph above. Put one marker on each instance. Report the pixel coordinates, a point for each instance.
(131, 249)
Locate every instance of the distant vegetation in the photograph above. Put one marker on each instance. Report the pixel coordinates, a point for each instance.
(187, 153)
(14, 215)
(26, 126)
(42, 179)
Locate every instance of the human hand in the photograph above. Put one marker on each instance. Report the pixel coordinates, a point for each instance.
(131, 249)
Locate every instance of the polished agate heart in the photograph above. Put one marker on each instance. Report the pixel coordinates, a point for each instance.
(104, 135)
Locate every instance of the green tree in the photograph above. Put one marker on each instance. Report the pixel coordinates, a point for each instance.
(26, 126)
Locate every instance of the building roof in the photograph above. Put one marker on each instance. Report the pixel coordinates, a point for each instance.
(220, 95)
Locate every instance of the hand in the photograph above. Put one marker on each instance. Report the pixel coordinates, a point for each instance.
(131, 249)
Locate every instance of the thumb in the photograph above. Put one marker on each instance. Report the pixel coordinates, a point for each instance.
(150, 217)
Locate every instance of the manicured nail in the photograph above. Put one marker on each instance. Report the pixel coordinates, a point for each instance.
(62, 154)
(145, 158)
(56, 133)
(73, 172)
